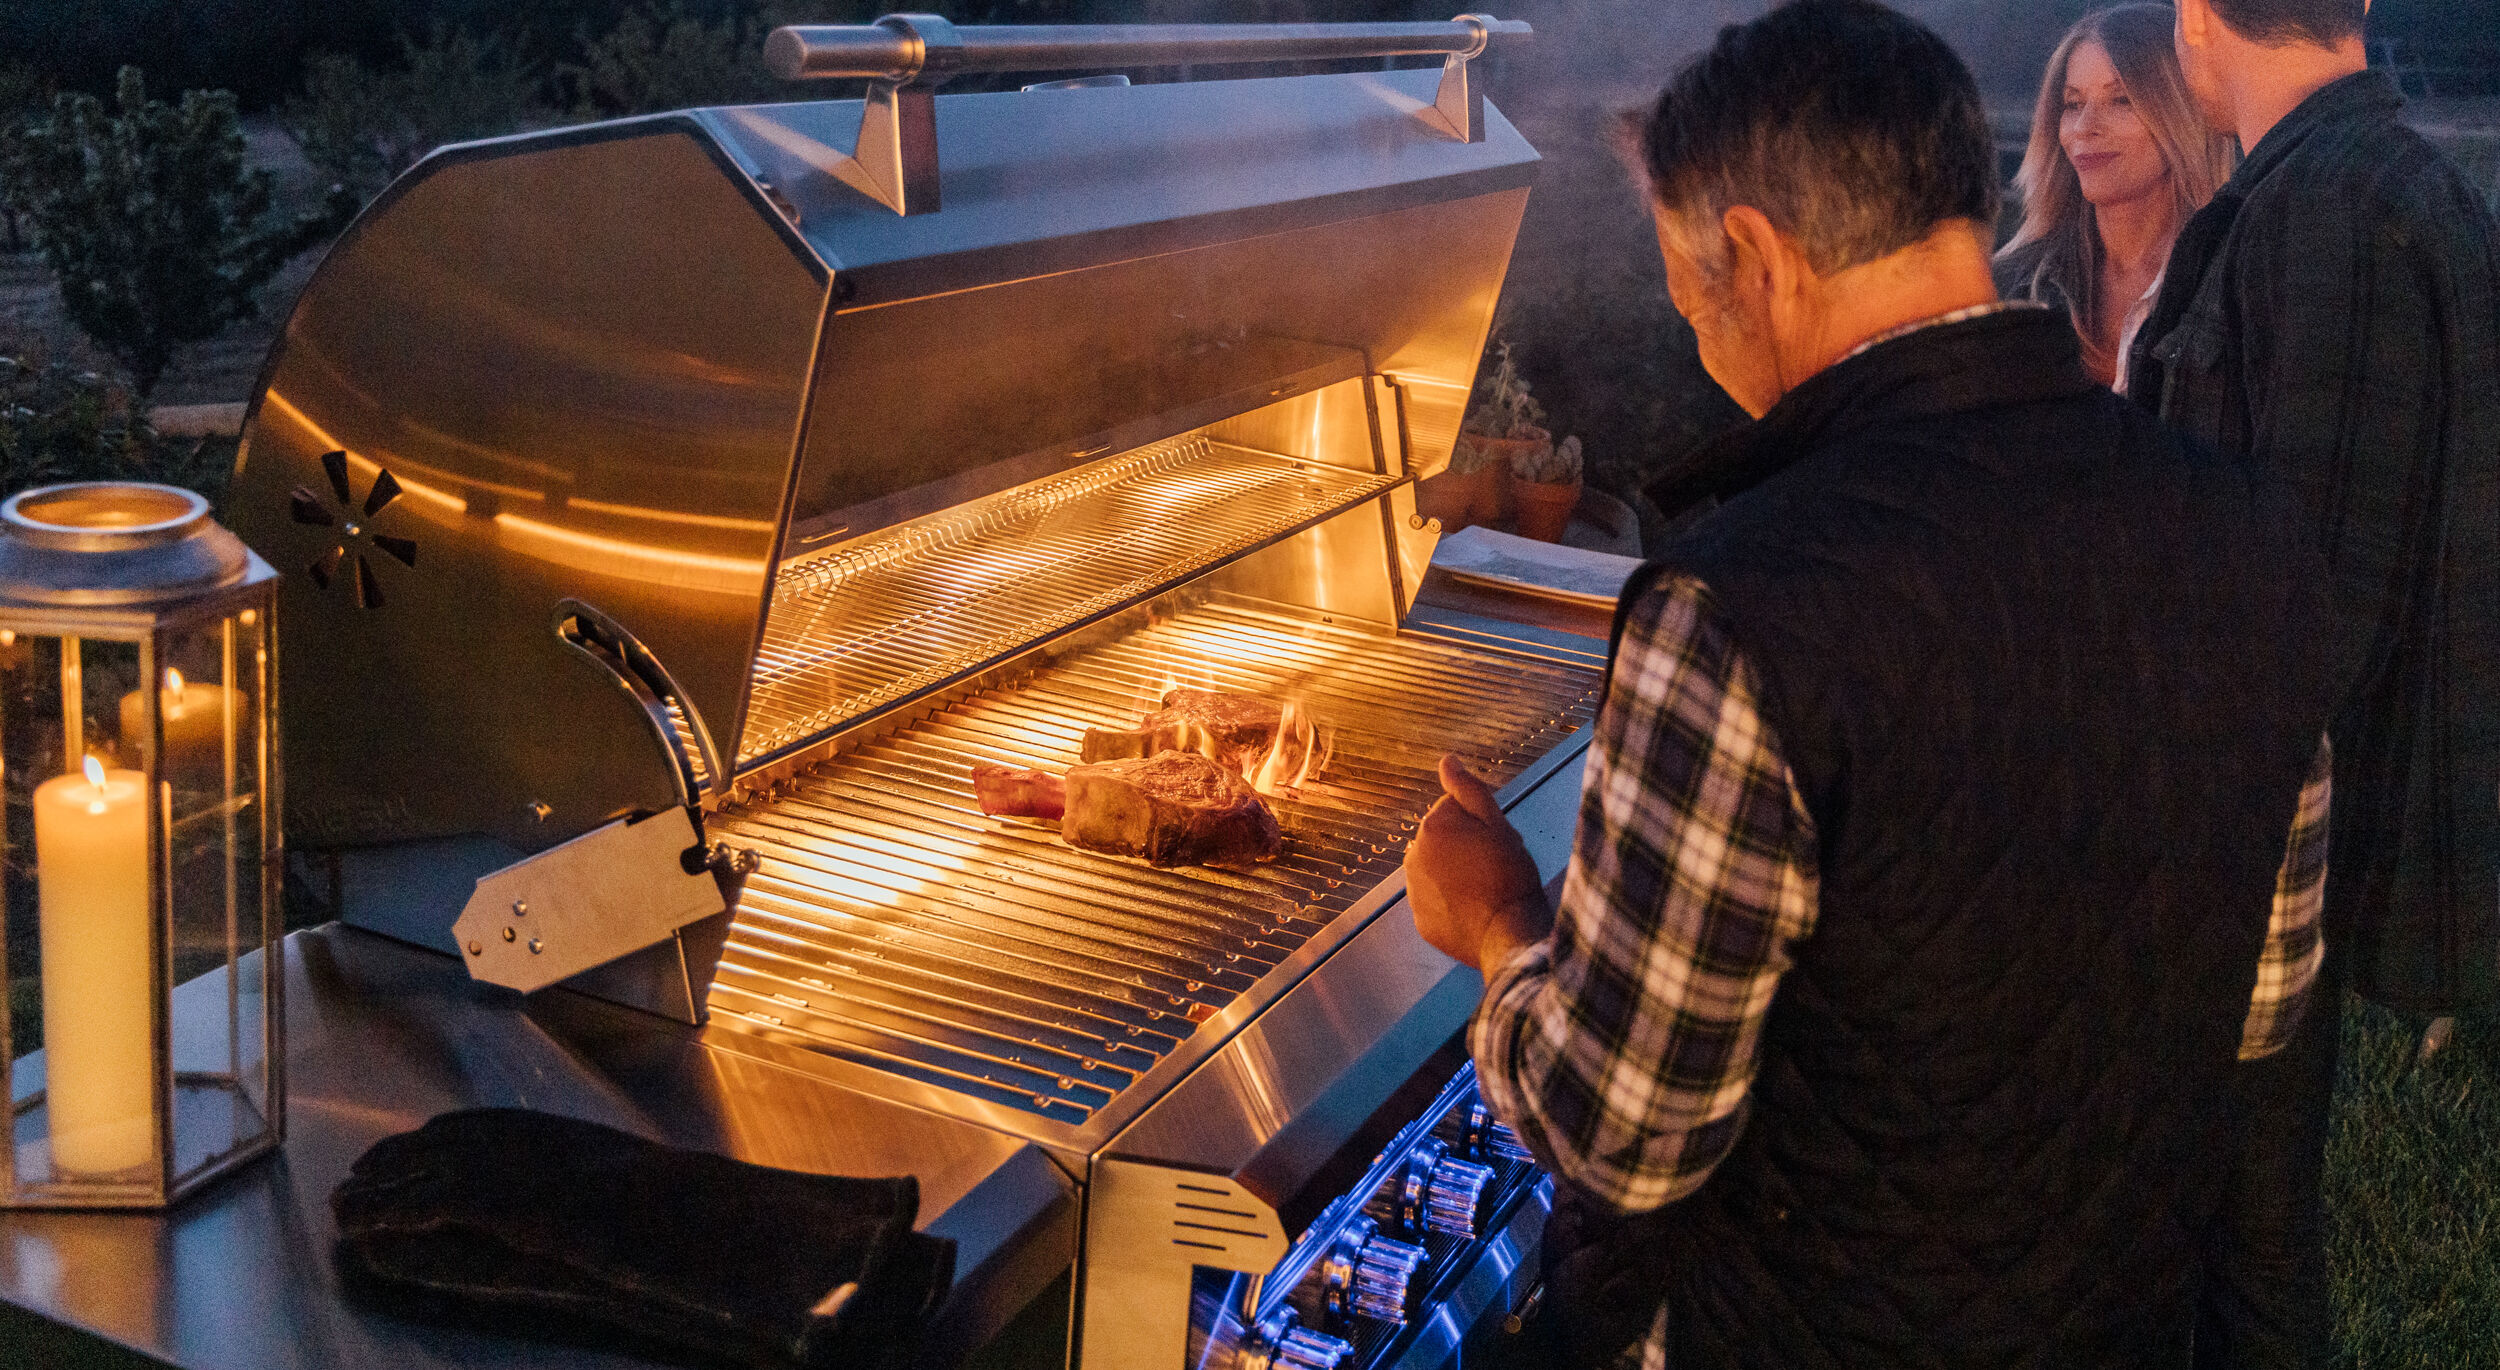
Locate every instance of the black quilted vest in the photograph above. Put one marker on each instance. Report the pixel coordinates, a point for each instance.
(2041, 675)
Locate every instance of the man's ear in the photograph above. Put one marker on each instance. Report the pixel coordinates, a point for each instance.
(2195, 24)
(1760, 257)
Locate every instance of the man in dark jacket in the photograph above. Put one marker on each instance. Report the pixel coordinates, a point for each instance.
(2334, 314)
(1955, 818)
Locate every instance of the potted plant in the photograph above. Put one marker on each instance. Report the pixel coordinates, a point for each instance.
(1502, 429)
(1546, 484)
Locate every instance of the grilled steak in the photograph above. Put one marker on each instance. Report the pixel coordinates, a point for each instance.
(1234, 730)
(1173, 808)
(1013, 792)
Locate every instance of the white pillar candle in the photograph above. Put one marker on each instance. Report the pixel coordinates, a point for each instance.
(91, 862)
(195, 724)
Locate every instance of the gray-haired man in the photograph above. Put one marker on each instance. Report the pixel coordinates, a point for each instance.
(1957, 811)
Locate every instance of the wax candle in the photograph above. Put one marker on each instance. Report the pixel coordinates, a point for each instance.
(195, 724)
(91, 862)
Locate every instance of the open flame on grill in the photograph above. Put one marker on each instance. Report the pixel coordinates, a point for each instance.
(1299, 751)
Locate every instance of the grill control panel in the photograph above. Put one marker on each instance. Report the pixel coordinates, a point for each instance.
(1399, 1266)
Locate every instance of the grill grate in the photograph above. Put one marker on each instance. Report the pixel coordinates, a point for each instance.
(900, 611)
(894, 925)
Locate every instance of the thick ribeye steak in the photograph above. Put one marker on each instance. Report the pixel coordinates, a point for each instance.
(1235, 730)
(1173, 808)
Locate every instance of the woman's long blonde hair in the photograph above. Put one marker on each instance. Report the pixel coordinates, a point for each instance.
(2057, 240)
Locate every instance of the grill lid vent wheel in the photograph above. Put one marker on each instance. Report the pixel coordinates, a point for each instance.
(307, 507)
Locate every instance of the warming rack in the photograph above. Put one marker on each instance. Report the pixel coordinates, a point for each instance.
(895, 926)
(897, 612)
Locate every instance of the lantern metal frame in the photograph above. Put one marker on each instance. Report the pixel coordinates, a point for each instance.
(237, 588)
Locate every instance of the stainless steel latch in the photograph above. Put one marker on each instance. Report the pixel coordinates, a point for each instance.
(629, 884)
(613, 890)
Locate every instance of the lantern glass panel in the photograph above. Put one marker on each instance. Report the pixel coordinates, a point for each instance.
(211, 771)
(81, 966)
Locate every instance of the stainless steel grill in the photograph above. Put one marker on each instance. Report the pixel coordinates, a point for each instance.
(865, 484)
(894, 925)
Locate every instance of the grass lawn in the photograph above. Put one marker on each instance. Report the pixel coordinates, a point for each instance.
(2413, 1196)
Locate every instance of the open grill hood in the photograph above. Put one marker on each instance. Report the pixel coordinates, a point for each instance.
(673, 368)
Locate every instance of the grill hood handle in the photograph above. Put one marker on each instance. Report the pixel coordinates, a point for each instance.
(692, 760)
(906, 57)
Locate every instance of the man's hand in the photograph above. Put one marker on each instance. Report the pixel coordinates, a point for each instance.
(1469, 878)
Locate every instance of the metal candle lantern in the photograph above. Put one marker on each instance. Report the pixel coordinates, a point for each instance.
(138, 740)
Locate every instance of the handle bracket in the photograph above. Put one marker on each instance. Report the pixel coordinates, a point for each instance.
(1458, 105)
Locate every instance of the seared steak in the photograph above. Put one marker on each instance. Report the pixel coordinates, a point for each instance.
(1234, 730)
(1172, 808)
(1013, 792)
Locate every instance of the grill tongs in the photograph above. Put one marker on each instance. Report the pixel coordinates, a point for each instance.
(626, 885)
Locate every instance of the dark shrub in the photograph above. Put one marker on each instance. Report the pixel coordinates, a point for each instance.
(362, 127)
(58, 423)
(149, 219)
(674, 56)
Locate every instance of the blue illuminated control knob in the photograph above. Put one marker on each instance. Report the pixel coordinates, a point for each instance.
(1439, 1192)
(1383, 1279)
(1368, 1275)
(1283, 1343)
(1488, 1138)
(1304, 1349)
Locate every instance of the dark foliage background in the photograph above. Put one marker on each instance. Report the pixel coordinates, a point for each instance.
(258, 48)
(59, 423)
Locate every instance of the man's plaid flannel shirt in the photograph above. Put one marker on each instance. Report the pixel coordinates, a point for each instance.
(1623, 1048)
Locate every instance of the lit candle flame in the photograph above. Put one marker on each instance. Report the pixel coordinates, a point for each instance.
(95, 772)
(173, 682)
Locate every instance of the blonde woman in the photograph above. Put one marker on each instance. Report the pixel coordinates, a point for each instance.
(2118, 161)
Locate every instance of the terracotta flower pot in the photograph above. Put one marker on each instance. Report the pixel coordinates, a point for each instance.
(1489, 499)
(1447, 497)
(1493, 503)
(1545, 510)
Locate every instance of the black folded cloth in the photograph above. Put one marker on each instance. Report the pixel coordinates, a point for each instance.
(511, 1215)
